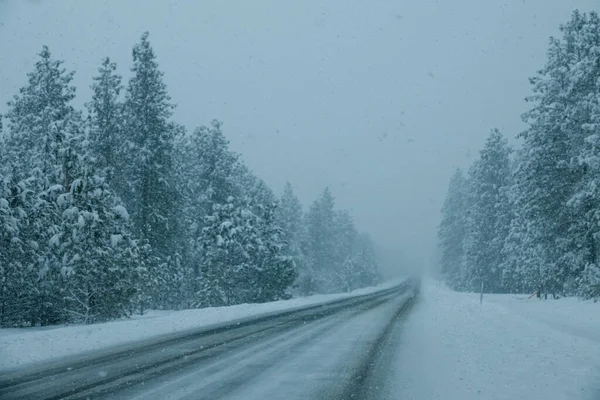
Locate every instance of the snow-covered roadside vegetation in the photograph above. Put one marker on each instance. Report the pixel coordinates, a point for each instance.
(528, 220)
(112, 210)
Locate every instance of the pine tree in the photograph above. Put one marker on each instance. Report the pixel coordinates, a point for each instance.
(225, 257)
(488, 221)
(255, 188)
(28, 263)
(367, 266)
(207, 171)
(96, 251)
(276, 271)
(14, 277)
(320, 246)
(513, 251)
(554, 235)
(452, 230)
(43, 134)
(582, 36)
(207, 177)
(106, 121)
(150, 188)
(40, 118)
(242, 256)
(290, 219)
(344, 265)
(213, 166)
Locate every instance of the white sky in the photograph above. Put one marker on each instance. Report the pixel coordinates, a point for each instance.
(379, 99)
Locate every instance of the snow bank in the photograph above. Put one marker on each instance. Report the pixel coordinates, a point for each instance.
(569, 315)
(23, 346)
(507, 348)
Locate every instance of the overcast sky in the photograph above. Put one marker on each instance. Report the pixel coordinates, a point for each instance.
(378, 99)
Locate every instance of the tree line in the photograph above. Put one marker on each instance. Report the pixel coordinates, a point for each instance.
(115, 209)
(528, 220)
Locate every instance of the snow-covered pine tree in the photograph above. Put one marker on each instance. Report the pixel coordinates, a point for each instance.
(218, 235)
(241, 268)
(307, 282)
(2, 143)
(210, 168)
(150, 190)
(513, 251)
(225, 268)
(14, 276)
(242, 258)
(365, 259)
(27, 223)
(344, 266)
(452, 230)
(39, 120)
(38, 157)
(582, 35)
(276, 271)
(320, 243)
(554, 236)
(290, 218)
(106, 122)
(207, 177)
(97, 253)
(488, 220)
(254, 188)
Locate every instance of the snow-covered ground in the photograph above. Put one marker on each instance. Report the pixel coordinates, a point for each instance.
(23, 346)
(510, 347)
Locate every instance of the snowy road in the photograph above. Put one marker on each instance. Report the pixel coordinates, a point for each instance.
(328, 352)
